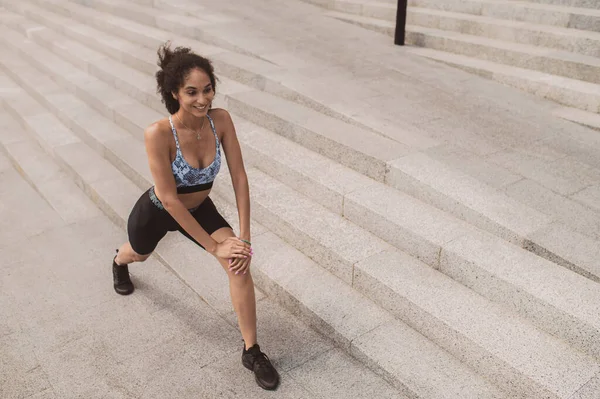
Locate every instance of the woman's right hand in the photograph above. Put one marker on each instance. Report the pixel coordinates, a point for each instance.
(232, 248)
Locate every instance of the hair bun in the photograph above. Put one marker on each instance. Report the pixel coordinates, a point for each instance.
(166, 55)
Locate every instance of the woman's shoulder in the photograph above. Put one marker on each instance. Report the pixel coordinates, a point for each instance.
(218, 114)
(158, 130)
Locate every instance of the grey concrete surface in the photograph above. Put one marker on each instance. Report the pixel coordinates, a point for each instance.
(66, 334)
(79, 74)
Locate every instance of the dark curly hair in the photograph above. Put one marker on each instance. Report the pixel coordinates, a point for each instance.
(175, 65)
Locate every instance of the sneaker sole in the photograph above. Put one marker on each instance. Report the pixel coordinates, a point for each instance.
(249, 367)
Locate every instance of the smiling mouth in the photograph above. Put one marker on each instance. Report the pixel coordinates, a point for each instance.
(200, 108)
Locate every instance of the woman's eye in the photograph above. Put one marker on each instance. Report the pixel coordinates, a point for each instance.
(191, 93)
(207, 90)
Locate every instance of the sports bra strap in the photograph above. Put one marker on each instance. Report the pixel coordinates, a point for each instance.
(174, 131)
(212, 126)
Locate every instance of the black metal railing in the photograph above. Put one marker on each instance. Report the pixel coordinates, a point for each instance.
(400, 22)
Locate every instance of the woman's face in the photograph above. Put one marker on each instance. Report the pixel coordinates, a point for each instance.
(197, 93)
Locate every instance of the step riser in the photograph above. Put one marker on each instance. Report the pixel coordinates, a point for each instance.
(521, 35)
(524, 238)
(541, 314)
(561, 95)
(346, 156)
(512, 12)
(77, 179)
(262, 279)
(195, 32)
(321, 254)
(466, 350)
(515, 12)
(585, 46)
(147, 65)
(268, 164)
(79, 127)
(146, 97)
(593, 4)
(506, 234)
(475, 277)
(572, 70)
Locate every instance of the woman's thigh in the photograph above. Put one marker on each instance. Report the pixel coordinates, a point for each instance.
(147, 225)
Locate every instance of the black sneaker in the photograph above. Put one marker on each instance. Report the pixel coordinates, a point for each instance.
(121, 280)
(265, 374)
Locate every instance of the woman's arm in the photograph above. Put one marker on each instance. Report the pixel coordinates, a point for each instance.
(157, 145)
(235, 162)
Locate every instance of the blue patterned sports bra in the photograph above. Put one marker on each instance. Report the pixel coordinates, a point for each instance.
(189, 179)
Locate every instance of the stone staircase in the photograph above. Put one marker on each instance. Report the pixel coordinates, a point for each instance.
(437, 281)
(547, 48)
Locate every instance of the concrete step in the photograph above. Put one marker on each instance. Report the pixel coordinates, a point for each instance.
(161, 20)
(556, 62)
(498, 24)
(573, 3)
(570, 92)
(345, 321)
(98, 29)
(511, 276)
(312, 273)
(588, 119)
(565, 39)
(453, 319)
(483, 206)
(277, 205)
(326, 185)
(565, 16)
(248, 70)
(279, 330)
(350, 145)
(358, 149)
(317, 177)
(308, 226)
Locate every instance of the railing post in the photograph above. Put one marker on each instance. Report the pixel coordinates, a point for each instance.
(400, 22)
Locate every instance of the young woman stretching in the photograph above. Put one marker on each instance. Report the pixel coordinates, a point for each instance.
(184, 156)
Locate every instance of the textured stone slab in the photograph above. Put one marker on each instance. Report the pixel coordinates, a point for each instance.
(465, 197)
(473, 165)
(589, 119)
(309, 173)
(570, 92)
(554, 298)
(590, 196)
(327, 304)
(579, 217)
(520, 55)
(568, 248)
(335, 375)
(417, 367)
(590, 390)
(21, 374)
(355, 148)
(288, 341)
(564, 175)
(404, 221)
(507, 29)
(507, 350)
(325, 237)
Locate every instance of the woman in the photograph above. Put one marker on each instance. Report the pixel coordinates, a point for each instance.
(184, 156)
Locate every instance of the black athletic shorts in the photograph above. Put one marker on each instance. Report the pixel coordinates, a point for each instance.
(149, 222)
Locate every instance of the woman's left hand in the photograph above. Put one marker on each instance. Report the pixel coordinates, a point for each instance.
(240, 265)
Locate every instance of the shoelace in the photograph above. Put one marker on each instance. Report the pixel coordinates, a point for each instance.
(262, 360)
(122, 273)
